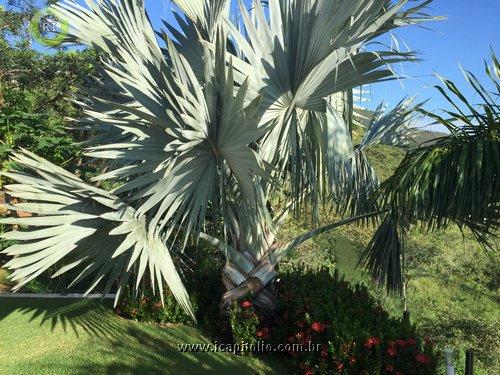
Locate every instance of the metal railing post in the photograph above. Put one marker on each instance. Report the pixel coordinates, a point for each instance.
(448, 356)
(469, 362)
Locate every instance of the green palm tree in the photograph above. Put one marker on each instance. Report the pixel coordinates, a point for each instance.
(454, 180)
(230, 113)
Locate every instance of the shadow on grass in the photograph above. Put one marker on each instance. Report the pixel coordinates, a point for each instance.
(108, 344)
(78, 315)
(158, 353)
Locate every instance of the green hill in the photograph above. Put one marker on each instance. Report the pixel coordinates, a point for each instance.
(452, 283)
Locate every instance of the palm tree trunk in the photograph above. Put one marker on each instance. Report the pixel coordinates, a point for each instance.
(258, 285)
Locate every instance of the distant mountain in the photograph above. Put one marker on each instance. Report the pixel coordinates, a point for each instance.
(426, 137)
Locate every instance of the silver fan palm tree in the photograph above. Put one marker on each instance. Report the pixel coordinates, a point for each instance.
(229, 113)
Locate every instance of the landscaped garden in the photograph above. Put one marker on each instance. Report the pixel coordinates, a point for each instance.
(76, 337)
(226, 183)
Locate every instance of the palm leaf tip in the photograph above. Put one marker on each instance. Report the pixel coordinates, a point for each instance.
(79, 227)
(382, 257)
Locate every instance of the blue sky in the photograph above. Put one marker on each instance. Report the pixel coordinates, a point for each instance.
(464, 38)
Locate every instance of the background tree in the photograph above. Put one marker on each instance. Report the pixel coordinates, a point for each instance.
(35, 90)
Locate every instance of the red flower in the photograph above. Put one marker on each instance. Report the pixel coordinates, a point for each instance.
(306, 340)
(324, 353)
(372, 341)
(352, 360)
(340, 367)
(318, 327)
(389, 368)
(246, 304)
(422, 358)
(392, 352)
(263, 333)
(309, 372)
(401, 343)
(411, 342)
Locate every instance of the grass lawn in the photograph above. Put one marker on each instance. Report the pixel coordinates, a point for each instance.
(80, 336)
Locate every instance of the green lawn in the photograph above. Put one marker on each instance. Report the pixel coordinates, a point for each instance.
(45, 336)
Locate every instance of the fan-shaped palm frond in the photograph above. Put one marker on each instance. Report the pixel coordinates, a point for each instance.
(193, 127)
(304, 53)
(351, 175)
(203, 18)
(204, 132)
(84, 228)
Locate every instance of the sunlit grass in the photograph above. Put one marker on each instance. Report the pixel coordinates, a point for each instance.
(67, 336)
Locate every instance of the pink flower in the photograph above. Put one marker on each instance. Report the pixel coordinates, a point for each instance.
(318, 327)
(392, 352)
(340, 367)
(246, 304)
(389, 368)
(422, 358)
(401, 343)
(411, 342)
(372, 341)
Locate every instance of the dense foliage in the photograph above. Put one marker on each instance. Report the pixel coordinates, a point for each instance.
(34, 105)
(347, 330)
(214, 126)
(35, 92)
(149, 307)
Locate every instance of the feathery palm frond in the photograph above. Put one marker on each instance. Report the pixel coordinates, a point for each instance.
(455, 180)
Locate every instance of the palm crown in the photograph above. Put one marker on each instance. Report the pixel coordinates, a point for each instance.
(227, 114)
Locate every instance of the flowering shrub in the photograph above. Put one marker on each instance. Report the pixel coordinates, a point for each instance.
(355, 334)
(149, 308)
(245, 324)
